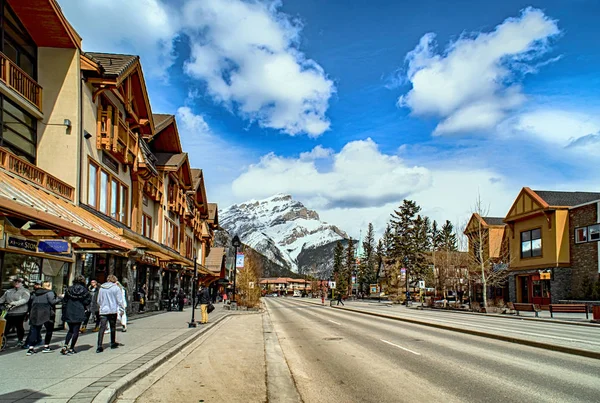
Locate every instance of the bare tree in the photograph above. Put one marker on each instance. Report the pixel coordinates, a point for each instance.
(489, 255)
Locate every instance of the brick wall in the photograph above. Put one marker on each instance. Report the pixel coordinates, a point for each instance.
(584, 256)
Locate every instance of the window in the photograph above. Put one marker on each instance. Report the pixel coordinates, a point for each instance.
(594, 232)
(92, 185)
(531, 243)
(581, 235)
(171, 234)
(189, 247)
(107, 194)
(17, 45)
(19, 130)
(146, 226)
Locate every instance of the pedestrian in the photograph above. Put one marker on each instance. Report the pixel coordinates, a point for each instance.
(322, 298)
(110, 302)
(122, 317)
(198, 297)
(339, 299)
(76, 303)
(204, 302)
(180, 299)
(92, 308)
(16, 299)
(42, 314)
(143, 293)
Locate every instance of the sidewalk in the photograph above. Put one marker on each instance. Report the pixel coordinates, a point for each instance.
(52, 377)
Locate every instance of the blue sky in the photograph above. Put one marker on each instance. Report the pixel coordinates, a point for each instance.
(353, 105)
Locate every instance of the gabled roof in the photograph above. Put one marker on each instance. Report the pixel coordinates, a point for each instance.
(196, 177)
(199, 190)
(148, 157)
(113, 65)
(170, 159)
(161, 120)
(213, 212)
(494, 220)
(566, 199)
(166, 135)
(215, 260)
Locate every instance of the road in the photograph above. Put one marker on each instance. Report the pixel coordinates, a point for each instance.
(341, 356)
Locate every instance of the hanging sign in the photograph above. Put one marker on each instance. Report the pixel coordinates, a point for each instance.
(14, 242)
(54, 246)
(239, 261)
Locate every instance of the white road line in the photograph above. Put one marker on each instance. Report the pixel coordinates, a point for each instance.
(333, 321)
(400, 347)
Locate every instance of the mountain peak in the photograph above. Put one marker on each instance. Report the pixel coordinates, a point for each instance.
(279, 227)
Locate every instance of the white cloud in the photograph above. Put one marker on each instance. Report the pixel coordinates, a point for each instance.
(141, 27)
(317, 153)
(471, 85)
(247, 54)
(360, 176)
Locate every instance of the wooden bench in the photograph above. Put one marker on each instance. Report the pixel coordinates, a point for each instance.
(526, 308)
(569, 308)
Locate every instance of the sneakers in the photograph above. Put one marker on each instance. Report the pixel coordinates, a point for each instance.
(116, 345)
(95, 329)
(20, 344)
(124, 329)
(46, 349)
(83, 330)
(99, 350)
(71, 351)
(64, 350)
(31, 351)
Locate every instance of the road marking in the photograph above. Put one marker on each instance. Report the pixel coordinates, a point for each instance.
(400, 347)
(333, 321)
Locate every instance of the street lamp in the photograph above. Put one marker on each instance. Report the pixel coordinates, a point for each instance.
(193, 321)
(236, 243)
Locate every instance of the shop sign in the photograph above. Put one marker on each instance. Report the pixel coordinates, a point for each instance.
(545, 276)
(149, 259)
(54, 246)
(21, 243)
(239, 261)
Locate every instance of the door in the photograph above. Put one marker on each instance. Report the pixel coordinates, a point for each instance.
(541, 292)
(523, 289)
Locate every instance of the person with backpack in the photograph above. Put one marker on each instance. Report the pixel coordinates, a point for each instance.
(92, 309)
(43, 302)
(16, 299)
(75, 304)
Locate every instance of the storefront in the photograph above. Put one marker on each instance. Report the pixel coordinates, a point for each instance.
(534, 288)
(147, 273)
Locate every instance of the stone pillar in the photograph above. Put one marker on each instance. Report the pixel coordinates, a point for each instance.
(111, 264)
(560, 286)
(512, 288)
(160, 286)
(131, 280)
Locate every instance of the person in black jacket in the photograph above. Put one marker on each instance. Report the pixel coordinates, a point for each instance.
(181, 299)
(42, 313)
(76, 303)
(204, 301)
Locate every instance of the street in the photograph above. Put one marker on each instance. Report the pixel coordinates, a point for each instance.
(336, 355)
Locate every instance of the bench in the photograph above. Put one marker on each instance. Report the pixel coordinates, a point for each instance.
(569, 308)
(526, 308)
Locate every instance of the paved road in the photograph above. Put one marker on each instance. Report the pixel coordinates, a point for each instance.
(561, 334)
(341, 356)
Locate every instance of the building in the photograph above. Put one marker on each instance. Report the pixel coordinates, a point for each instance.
(284, 285)
(539, 227)
(91, 180)
(584, 233)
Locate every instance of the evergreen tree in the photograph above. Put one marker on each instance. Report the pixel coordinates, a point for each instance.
(349, 267)
(338, 257)
(436, 239)
(367, 267)
(448, 240)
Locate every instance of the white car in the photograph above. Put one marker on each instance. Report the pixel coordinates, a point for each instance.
(297, 293)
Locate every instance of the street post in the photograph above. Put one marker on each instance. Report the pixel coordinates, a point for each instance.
(194, 285)
(236, 243)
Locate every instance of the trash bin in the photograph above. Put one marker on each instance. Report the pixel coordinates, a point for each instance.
(596, 313)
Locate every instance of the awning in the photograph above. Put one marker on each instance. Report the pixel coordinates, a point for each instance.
(23, 199)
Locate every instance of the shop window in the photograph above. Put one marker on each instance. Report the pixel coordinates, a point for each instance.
(594, 232)
(531, 243)
(581, 235)
(34, 269)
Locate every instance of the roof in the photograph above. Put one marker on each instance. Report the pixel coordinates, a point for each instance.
(190, 204)
(149, 158)
(567, 199)
(494, 220)
(161, 120)
(214, 260)
(212, 211)
(113, 64)
(170, 159)
(282, 280)
(196, 175)
(25, 199)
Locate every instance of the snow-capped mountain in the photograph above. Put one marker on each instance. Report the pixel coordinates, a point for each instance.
(282, 229)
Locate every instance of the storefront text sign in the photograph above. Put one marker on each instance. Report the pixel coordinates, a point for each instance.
(54, 246)
(21, 243)
(149, 259)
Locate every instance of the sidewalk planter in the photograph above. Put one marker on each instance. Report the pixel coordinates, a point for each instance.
(596, 313)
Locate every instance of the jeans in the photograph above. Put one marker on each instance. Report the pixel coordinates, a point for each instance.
(111, 319)
(72, 334)
(88, 314)
(35, 334)
(203, 310)
(16, 321)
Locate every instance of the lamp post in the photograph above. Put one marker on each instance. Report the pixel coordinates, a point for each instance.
(236, 243)
(193, 321)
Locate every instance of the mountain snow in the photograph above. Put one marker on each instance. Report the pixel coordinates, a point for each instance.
(279, 227)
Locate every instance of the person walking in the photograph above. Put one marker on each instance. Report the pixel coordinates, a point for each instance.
(142, 294)
(110, 303)
(322, 298)
(204, 301)
(92, 308)
(76, 303)
(122, 317)
(16, 299)
(339, 299)
(180, 299)
(42, 313)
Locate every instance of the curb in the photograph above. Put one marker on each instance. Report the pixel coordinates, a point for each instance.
(111, 392)
(530, 343)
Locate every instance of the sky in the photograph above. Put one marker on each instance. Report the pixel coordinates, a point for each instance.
(352, 106)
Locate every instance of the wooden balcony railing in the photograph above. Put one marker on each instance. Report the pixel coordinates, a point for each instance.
(116, 137)
(20, 81)
(154, 188)
(26, 170)
(176, 200)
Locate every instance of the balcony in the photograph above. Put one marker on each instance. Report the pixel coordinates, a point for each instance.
(176, 199)
(116, 137)
(153, 188)
(20, 81)
(24, 169)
